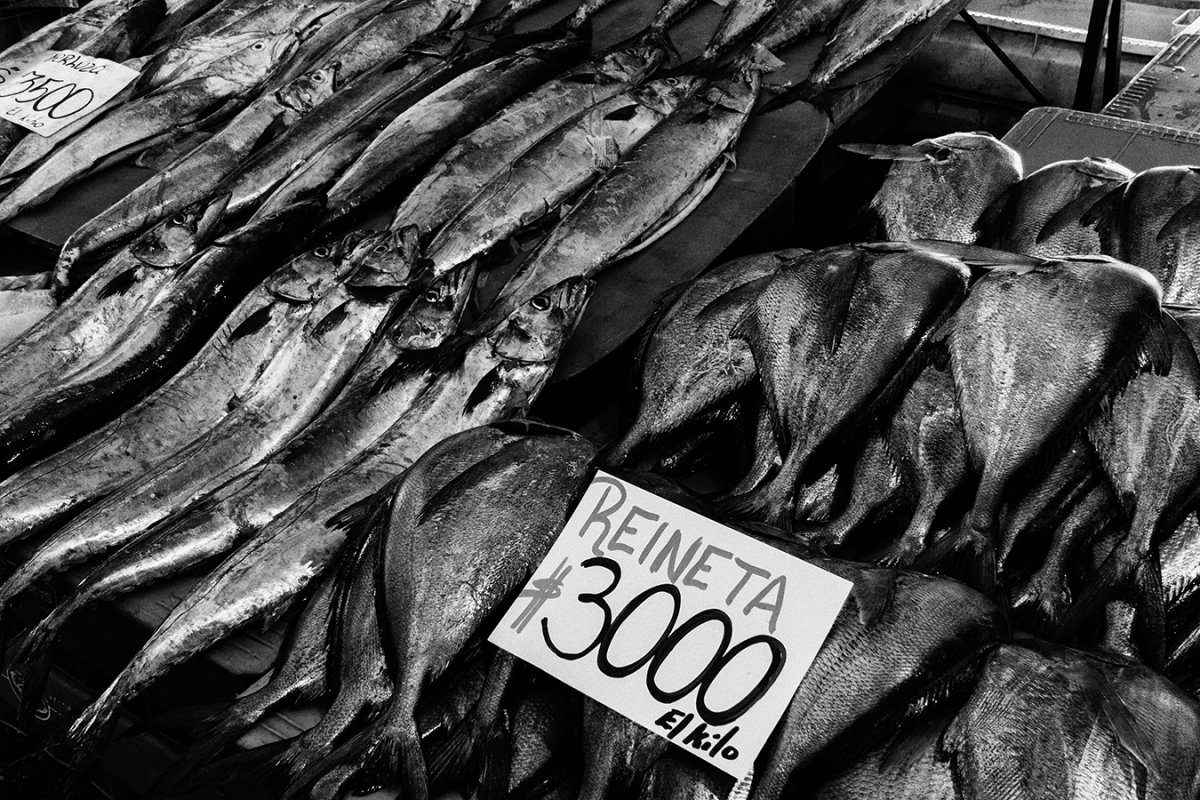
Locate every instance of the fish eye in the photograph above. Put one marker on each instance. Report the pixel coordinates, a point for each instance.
(432, 296)
(318, 77)
(259, 46)
(672, 81)
(324, 251)
(380, 248)
(179, 219)
(540, 303)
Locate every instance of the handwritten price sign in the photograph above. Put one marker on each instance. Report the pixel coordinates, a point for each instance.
(64, 88)
(694, 630)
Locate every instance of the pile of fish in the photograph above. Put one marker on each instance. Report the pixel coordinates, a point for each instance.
(241, 381)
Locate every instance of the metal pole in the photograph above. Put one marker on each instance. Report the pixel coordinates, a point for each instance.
(1091, 56)
(1112, 53)
(982, 33)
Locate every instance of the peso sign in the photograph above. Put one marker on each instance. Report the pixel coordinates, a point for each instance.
(694, 630)
(59, 91)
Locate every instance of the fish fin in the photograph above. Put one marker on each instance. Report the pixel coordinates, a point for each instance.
(290, 218)
(1151, 624)
(269, 134)
(997, 218)
(1181, 220)
(486, 386)
(34, 656)
(252, 324)
(406, 363)
(470, 750)
(451, 493)
(1076, 210)
(331, 321)
(1126, 729)
(841, 292)
(873, 593)
(210, 220)
(965, 553)
(1102, 214)
(361, 512)
(1115, 575)
(885, 152)
(120, 284)
(397, 757)
(738, 296)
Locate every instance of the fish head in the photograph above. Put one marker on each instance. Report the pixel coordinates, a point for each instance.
(174, 240)
(630, 62)
(665, 94)
(441, 44)
(735, 92)
(310, 90)
(1103, 170)
(308, 276)
(534, 333)
(971, 150)
(259, 55)
(434, 314)
(382, 264)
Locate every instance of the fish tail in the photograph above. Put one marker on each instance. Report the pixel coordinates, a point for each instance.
(34, 655)
(1114, 578)
(92, 729)
(761, 505)
(470, 748)
(620, 451)
(1151, 612)
(398, 756)
(968, 553)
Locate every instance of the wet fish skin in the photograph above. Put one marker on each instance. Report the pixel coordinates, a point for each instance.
(1116, 727)
(543, 719)
(1156, 478)
(938, 188)
(179, 411)
(875, 490)
(484, 154)
(810, 331)
(434, 541)
(498, 378)
(617, 209)
(422, 132)
(740, 19)
(1016, 220)
(676, 777)
(618, 753)
(92, 320)
(1078, 329)
(865, 28)
(907, 767)
(904, 643)
(554, 169)
(795, 19)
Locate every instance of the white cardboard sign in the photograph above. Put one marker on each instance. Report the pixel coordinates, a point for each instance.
(692, 629)
(65, 87)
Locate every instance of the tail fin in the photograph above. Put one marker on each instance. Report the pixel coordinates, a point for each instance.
(966, 553)
(35, 655)
(1116, 576)
(470, 751)
(761, 505)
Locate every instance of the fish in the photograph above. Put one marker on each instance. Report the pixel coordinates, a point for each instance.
(741, 18)
(688, 363)
(92, 320)
(422, 132)
(179, 14)
(149, 120)
(939, 188)
(863, 29)
(112, 29)
(876, 490)
(618, 752)
(1070, 333)
(21, 309)
(450, 565)
(1156, 477)
(555, 169)
(156, 342)
(297, 382)
(619, 208)
(1149, 222)
(189, 404)
(497, 377)
(795, 19)
(909, 766)
(811, 330)
(372, 48)
(1017, 218)
(356, 113)
(904, 645)
(676, 777)
(543, 716)
(380, 391)
(1048, 721)
(488, 152)
(363, 682)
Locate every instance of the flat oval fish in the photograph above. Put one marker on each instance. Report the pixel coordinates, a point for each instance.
(1025, 218)
(938, 188)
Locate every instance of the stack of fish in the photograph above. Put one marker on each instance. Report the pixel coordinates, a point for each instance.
(239, 380)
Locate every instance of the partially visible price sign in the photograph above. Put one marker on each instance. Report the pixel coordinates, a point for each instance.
(60, 90)
(696, 631)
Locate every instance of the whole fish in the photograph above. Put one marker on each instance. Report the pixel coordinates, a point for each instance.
(909, 766)
(795, 19)
(1047, 721)
(939, 188)
(422, 132)
(93, 319)
(381, 389)
(181, 410)
(555, 169)
(297, 382)
(358, 112)
(492, 378)
(865, 28)
(688, 362)
(1033, 351)
(156, 342)
(372, 47)
(488, 152)
(837, 335)
(1015, 220)
(138, 124)
(635, 194)
(1156, 477)
(905, 643)
(455, 551)
(1152, 222)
